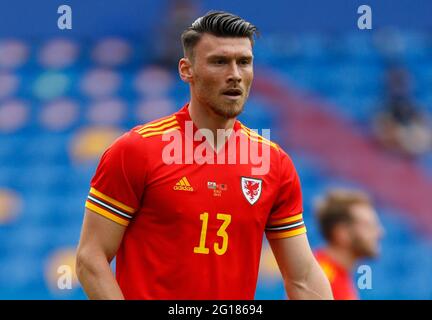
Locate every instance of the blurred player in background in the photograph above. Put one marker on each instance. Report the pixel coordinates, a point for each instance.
(351, 227)
(194, 230)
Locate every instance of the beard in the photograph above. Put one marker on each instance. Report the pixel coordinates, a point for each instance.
(228, 110)
(219, 104)
(363, 249)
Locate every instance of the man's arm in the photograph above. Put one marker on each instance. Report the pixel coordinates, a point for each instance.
(100, 240)
(302, 275)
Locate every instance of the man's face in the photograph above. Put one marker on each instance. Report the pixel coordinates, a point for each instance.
(366, 231)
(222, 74)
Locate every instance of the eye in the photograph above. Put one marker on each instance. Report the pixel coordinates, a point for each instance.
(219, 61)
(245, 62)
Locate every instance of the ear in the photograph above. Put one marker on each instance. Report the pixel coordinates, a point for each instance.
(185, 70)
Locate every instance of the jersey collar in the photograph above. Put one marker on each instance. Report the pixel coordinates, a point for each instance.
(183, 115)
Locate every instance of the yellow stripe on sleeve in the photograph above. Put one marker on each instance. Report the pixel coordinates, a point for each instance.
(155, 124)
(106, 214)
(160, 132)
(256, 139)
(286, 234)
(252, 133)
(112, 201)
(286, 220)
(158, 128)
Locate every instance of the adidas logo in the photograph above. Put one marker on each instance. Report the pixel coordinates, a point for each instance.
(183, 185)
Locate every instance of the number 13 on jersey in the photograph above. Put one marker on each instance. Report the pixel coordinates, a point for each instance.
(219, 249)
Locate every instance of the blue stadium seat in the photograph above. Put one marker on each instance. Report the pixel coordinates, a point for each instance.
(347, 70)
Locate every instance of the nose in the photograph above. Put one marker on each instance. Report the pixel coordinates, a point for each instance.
(234, 73)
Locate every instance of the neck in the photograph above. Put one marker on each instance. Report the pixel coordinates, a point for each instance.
(205, 118)
(342, 256)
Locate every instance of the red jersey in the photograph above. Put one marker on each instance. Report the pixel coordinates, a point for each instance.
(194, 230)
(340, 279)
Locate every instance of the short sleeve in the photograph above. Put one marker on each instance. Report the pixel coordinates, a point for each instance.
(286, 217)
(118, 184)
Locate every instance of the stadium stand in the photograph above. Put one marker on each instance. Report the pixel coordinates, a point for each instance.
(62, 103)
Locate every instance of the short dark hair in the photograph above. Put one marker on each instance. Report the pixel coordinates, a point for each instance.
(335, 208)
(220, 24)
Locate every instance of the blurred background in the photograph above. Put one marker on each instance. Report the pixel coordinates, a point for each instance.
(350, 106)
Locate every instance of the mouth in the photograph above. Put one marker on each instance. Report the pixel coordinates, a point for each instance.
(233, 93)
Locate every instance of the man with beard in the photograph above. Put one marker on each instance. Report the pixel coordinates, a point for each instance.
(192, 229)
(352, 230)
